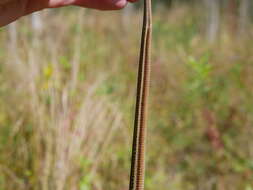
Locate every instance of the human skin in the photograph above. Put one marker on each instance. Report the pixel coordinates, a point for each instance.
(11, 10)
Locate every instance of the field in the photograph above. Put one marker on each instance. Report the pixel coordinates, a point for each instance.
(67, 97)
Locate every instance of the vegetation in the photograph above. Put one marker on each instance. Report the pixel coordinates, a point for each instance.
(67, 101)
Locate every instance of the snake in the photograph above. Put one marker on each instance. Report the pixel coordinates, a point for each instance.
(137, 173)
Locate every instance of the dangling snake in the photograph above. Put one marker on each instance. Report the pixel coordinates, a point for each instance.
(137, 175)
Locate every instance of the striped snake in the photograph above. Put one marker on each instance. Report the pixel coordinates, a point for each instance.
(137, 175)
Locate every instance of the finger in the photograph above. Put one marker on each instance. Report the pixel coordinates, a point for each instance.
(119, 4)
(105, 5)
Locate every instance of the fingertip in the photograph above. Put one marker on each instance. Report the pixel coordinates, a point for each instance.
(120, 4)
(106, 5)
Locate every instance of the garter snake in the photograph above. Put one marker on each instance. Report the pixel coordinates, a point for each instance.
(137, 174)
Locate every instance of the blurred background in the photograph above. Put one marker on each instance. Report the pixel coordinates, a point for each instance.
(67, 94)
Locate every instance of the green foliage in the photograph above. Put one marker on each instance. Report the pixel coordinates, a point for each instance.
(198, 82)
(174, 35)
(86, 179)
(2, 182)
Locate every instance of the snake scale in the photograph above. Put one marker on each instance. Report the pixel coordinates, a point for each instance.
(137, 175)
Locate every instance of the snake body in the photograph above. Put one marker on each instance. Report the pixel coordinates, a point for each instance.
(137, 174)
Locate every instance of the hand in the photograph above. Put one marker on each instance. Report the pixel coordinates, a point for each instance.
(11, 10)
